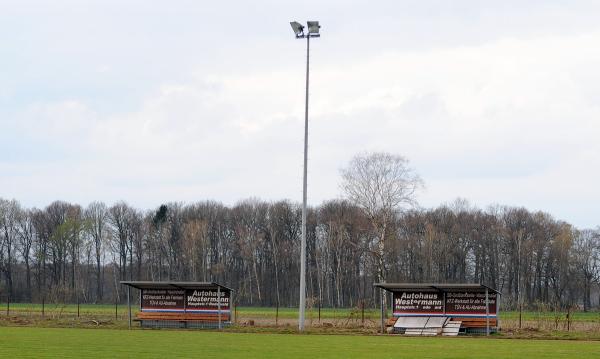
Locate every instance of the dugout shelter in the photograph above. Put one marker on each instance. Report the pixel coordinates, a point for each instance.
(181, 304)
(440, 308)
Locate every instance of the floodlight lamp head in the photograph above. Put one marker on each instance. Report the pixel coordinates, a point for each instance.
(298, 29)
(313, 28)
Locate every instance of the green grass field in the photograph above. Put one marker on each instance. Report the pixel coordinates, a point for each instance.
(535, 325)
(108, 309)
(62, 334)
(27, 342)
(267, 312)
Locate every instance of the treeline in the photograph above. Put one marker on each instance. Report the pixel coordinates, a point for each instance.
(66, 252)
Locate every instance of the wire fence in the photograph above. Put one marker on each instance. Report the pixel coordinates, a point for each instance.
(65, 312)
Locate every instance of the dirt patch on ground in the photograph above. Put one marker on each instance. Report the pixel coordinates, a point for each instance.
(530, 329)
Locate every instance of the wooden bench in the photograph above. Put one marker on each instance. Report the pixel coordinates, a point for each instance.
(182, 317)
(475, 322)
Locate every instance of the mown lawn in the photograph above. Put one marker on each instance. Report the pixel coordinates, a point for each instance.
(108, 310)
(52, 308)
(575, 316)
(27, 342)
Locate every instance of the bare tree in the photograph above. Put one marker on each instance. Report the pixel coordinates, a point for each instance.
(529, 256)
(26, 236)
(96, 216)
(9, 213)
(251, 218)
(587, 257)
(380, 184)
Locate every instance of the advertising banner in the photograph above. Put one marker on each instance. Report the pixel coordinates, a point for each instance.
(190, 300)
(469, 303)
(418, 302)
(439, 303)
(207, 300)
(167, 299)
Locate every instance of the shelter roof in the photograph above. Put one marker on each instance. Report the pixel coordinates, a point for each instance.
(143, 284)
(444, 287)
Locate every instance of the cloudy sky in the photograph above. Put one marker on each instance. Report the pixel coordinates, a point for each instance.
(155, 101)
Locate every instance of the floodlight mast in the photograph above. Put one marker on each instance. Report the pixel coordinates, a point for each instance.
(313, 31)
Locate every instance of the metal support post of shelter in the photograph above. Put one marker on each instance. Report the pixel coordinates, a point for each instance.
(382, 309)
(497, 310)
(444, 301)
(232, 312)
(487, 312)
(185, 323)
(140, 304)
(129, 304)
(219, 305)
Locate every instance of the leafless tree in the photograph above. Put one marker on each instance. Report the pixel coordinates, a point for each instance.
(587, 258)
(9, 215)
(96, 216)
(26, 237)
(381, 184)
(250, 217)
(529, 256)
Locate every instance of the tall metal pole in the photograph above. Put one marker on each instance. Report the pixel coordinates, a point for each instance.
(303, 239)
(519, 303)
(487, 312)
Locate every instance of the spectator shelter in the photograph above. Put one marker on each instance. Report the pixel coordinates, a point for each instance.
(181, 304)
(446, 309)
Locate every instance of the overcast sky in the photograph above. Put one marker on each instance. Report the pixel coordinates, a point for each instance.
(150, 102)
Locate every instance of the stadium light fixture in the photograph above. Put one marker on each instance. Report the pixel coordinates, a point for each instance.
(313, 31)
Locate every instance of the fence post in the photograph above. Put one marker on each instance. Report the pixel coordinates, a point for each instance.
(362, 310)
(43, 306)
(319, 310)
(7, 305)
(520, 313)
